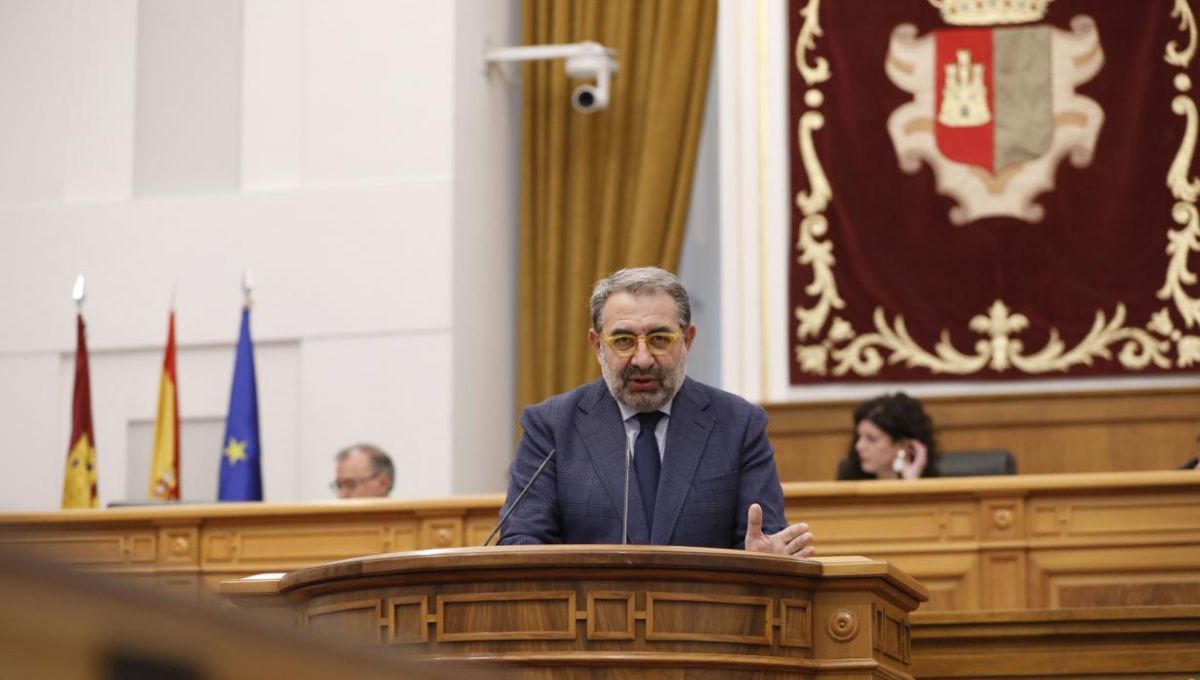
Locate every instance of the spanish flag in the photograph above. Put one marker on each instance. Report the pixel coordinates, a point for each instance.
(79, 482)
(164, 462)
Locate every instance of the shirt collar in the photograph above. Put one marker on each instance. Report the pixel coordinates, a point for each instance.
(628, 412)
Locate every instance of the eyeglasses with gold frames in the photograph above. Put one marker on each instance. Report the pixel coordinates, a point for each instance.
(657, 343)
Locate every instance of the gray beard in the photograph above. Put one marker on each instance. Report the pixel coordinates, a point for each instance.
(643, 401)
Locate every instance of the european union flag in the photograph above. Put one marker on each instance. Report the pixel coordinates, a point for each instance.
(241, 473)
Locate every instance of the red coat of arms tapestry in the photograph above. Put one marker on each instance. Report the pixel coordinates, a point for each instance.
(992, 189)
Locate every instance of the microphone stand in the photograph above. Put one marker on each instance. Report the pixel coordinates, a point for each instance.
(517, 500)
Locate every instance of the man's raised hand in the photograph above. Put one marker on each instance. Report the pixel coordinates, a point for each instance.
(795, 540)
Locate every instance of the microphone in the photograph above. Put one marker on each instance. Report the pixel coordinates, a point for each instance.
(625, 510)
(517, 500)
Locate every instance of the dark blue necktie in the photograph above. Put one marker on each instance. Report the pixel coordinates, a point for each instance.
(647, 462)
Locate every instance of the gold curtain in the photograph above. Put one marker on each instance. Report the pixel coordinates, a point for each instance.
(609, 189)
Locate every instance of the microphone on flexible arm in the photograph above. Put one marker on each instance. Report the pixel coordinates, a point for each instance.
(517, 500)
(625, 510)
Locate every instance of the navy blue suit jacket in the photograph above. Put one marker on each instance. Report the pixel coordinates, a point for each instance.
(718, 461)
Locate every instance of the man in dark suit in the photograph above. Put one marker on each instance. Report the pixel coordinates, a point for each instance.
(702, 472)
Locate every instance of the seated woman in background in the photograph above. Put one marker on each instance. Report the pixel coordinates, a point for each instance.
(893, 439)
(1193, 464)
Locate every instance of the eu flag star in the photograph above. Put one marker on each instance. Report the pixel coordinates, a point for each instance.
(235, 451)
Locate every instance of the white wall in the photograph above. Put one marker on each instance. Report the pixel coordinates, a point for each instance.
(486, 169)
(375, 206)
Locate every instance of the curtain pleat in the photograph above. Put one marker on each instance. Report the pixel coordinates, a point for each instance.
(605, 190)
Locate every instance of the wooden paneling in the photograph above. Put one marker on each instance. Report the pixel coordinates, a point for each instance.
(610, 615)
(354, 620)
(91, 548)
(1114, 576)
(708, 618)
(1024, 541)
(407, 619)
(441, 532)
(485, 617)
(795, 623)
(892, 634)
(1125, 642)
(1004, 573)
(624, 611)
(1048, 433)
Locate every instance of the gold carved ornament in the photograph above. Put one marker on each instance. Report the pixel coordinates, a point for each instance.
(999, 347)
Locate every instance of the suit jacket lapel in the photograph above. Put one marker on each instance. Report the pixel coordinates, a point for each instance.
(603, 433)
(687, 435)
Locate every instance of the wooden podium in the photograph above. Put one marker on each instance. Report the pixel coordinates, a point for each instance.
(611, 611)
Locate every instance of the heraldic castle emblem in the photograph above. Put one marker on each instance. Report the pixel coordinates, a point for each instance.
(994, 107)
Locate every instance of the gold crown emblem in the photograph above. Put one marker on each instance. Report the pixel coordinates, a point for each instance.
(987, 12)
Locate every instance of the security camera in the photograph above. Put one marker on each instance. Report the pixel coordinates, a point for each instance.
(587, 98)
(584, 61)
(599, 64)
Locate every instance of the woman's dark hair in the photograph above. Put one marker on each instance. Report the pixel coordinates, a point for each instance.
(900, 417)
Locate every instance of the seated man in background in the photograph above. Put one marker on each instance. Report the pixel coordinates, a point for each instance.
(363, 471)
(892, 439)
(702, 473)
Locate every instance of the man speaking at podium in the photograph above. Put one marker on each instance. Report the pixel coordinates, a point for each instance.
(702, 472)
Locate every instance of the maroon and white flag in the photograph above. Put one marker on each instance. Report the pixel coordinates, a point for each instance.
(993, 189)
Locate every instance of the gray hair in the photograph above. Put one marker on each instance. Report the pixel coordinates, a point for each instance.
(381, 463)
(641, 281)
